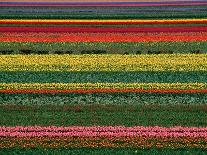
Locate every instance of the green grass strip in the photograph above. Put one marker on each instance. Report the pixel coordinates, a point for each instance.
(102, 151)
(101, 77)
(109, 48)
(103, 98)
(145, 15)
(104, 115)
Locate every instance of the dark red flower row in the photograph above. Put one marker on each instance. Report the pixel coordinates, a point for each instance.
(104, 29)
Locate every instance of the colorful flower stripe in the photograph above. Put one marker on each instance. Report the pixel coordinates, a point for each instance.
(97, 136)
(100, 1)
(103, 133)
(106, 22)
(100, 5)
(101, 142)
(119, 131)
(106, 37)
(105, 86)
(162, 62)
(149, 111)
(133, 29)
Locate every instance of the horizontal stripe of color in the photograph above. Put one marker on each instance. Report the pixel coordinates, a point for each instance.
(102, 114)
(106, 86)
(140, 142)
(102, 151)
(100, 37)
(162, 62)
(171, 3)
(107, 22)
(98, 12)
(97, 131)
(121, 11)
(85, 1)
(100, 90)
(124, 99)
(101, 77)
(99, 16)
(103, 47)
(104, 29)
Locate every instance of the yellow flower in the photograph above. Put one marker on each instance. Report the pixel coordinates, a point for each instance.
(103, 85)
(162, 62)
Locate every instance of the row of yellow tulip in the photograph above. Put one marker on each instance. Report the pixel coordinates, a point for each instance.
(162, 62)
(56, 86)
(60, 21)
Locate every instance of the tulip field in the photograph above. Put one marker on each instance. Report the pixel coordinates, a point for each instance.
(103, 77)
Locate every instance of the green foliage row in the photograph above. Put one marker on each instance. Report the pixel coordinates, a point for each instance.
(101, 151)
(104, 115)
(103, 98)
(152, 12)
(102, 77)
(108, 48)
(165, 15)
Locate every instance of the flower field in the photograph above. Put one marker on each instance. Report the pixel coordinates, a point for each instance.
(84, 63)
(103, 77)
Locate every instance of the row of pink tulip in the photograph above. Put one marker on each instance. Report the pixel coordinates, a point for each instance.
(103, 134)
(103, 131)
